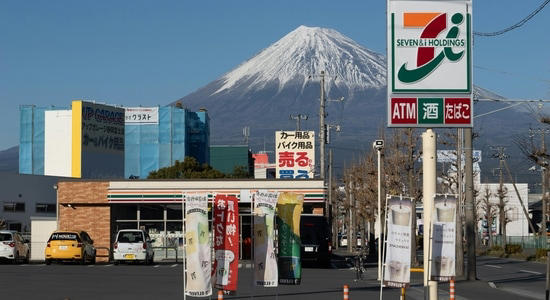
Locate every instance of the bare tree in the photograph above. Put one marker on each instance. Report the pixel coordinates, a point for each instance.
(502, 206)
(489, 211)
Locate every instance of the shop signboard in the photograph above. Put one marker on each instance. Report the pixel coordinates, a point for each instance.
(295, 154)
(226, 242)
(197, 246)
(265, 259)
(398, 242)
(429, 63)
(443, 238)
(289, 208)
(141, 115)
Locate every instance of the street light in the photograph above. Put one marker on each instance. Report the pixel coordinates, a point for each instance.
(378, 145)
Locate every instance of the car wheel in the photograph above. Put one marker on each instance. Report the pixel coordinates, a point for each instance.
(48, 261)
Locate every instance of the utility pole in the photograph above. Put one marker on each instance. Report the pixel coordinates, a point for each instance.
(459, 267)
(298, 118)
(333, 205)
(469, 205)
(544, 199)
(322, 128)
(502, 211)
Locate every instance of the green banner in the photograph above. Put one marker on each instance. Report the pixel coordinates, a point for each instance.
(289, 208)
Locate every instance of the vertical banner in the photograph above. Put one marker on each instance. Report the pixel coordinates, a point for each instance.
(443, 238)
(265, 260)
(398, 244)
(226, 242)
(289, 208)
(197, 246)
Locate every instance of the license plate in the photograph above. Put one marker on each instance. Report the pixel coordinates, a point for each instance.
(62, 247)
(308, 249)
(129, 256)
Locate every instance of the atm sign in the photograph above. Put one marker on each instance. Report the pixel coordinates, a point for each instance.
(430, 112)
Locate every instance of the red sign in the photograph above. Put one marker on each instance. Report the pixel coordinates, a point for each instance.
(226, 242)
(458, 111)
(403, 111)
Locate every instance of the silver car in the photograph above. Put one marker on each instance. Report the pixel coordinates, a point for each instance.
(133, 245)
(14, 247)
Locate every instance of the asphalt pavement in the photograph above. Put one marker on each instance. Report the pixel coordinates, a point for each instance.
(500, 279)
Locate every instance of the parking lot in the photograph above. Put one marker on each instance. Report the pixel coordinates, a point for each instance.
(500, 278)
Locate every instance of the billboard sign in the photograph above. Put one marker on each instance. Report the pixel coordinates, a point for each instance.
(429, 64)
(295, 154)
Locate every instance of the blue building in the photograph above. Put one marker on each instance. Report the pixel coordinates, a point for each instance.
(90, 140)
(155, 137)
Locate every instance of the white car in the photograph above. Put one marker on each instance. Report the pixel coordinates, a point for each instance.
(14, 247)
(133, 245)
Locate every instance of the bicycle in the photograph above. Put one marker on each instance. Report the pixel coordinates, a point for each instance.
(360, 261)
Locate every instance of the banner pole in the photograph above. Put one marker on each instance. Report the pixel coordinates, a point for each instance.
(183, 244)
(384, 246)
(252, 253)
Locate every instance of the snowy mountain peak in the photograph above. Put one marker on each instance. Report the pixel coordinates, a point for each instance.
(307, 51)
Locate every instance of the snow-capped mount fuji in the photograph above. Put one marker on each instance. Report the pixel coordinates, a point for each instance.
(283, 80)
(304, 52)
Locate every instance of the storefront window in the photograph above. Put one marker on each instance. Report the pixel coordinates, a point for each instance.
(151, 212)
(173, 212)
(124, 211)
(155, 231)
(125, 225)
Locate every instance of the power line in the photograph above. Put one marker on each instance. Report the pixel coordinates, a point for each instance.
(517, 25)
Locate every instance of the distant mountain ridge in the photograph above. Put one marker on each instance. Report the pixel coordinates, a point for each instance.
(283, 80)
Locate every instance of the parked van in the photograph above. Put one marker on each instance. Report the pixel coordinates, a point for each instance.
(315, 236)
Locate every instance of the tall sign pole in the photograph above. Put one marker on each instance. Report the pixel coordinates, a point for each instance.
(429, 84)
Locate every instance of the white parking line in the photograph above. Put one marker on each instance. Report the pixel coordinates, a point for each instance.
(156, 266)
(531, 272)
(109, 265)
(493, 266)
(174, 265)
(90, 266)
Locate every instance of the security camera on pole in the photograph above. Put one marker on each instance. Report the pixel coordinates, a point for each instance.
(378, 145)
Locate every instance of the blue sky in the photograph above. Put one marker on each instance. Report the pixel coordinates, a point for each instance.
(154, 52)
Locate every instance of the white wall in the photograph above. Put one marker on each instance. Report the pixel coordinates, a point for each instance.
(58, 142)
(41, 229)
(518, 225)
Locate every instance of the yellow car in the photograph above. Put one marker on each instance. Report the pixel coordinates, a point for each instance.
(70, 246)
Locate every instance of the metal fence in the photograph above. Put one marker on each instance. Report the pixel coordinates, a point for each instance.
(526, 242)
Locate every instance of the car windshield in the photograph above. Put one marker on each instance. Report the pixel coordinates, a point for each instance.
(130, 237)
(62, 236)
(5, 237)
